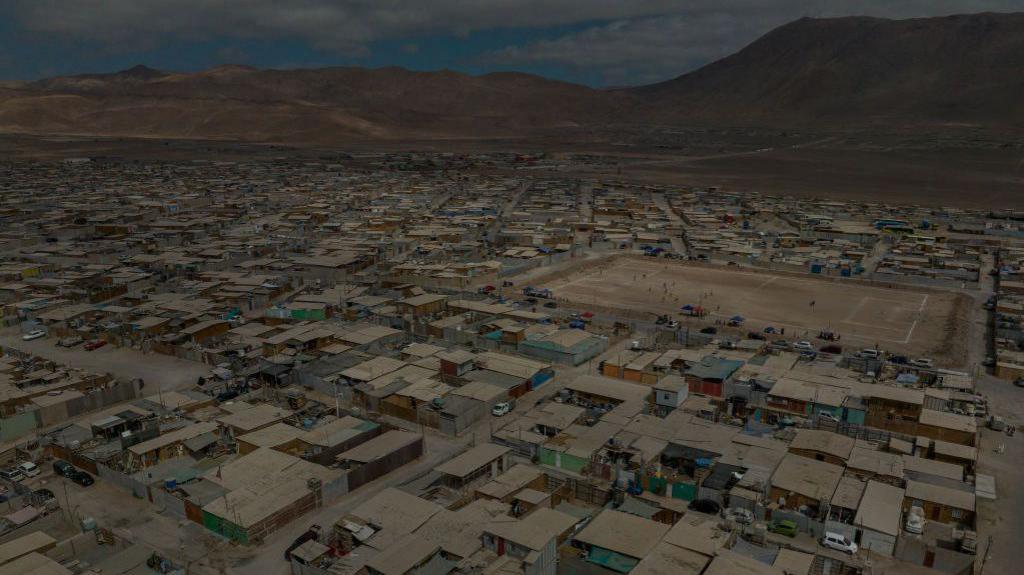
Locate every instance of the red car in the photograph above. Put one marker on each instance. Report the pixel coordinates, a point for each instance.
(94, 344)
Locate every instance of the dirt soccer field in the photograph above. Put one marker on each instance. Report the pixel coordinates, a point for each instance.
(894, 319)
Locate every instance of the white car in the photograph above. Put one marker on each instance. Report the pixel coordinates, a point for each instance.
(915, 520)
(500, 409)
(922, 362)
(13, 474)
(839, 542)
(741, 516)
(870, 353)
(29, 469)
(803, 346)
(34, 334)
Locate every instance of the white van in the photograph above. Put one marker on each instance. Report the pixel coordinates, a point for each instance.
(29, 469)
(839, 542)
(870, 353)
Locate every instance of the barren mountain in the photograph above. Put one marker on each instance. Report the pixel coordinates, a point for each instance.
(859, 72)
(838, 73)
(238, 102)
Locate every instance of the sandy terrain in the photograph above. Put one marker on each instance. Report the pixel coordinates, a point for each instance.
(895, 319)
(874, 168)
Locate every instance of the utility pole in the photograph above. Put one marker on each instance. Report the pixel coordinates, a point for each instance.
(67, 500)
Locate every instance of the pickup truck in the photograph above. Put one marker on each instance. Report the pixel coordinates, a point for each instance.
(70, 341)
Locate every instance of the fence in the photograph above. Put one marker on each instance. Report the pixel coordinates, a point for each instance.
(123, 481)
(521, 448)
(62, 452)
(52, 522)
(924, 281)
(18, 425)
(568, 488)
(93, 400)
(869, 434)
(170, 503)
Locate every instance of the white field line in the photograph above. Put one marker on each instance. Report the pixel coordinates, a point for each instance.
(920, 309)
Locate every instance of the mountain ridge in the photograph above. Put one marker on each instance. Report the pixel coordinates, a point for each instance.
(846, 73)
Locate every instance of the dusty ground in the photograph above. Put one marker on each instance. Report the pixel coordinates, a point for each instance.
(154, 368)
(894, 319)
(933, 177)
(1000, 456)
(965, 170)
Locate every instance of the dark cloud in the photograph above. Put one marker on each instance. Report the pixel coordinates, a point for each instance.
(619, 41)
(648, 49)
(337, 24)
(640, 50)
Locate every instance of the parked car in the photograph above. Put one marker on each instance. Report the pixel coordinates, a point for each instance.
(550, 304)
(870, 353)
(838, 542)
(740, 516)
(29, 469)
(785, 527)
(94, 344)
(500, 409)
(705, 506)
(914, 522)
(12, 474)
(227, 395)
(828, 417)
(710, 330)
(70, 341)
(996, 423)
(923, 362)
(34, 334)
(780, 344)
(803, 346)
(1019, 382)
(63, 468)
(82, 478)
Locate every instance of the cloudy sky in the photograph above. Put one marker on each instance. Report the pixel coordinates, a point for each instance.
(595, 42)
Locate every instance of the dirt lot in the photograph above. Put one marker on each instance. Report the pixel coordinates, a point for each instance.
(935, 177)
(154, 368)
(903, 320)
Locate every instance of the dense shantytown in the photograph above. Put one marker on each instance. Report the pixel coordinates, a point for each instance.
(445, 364)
